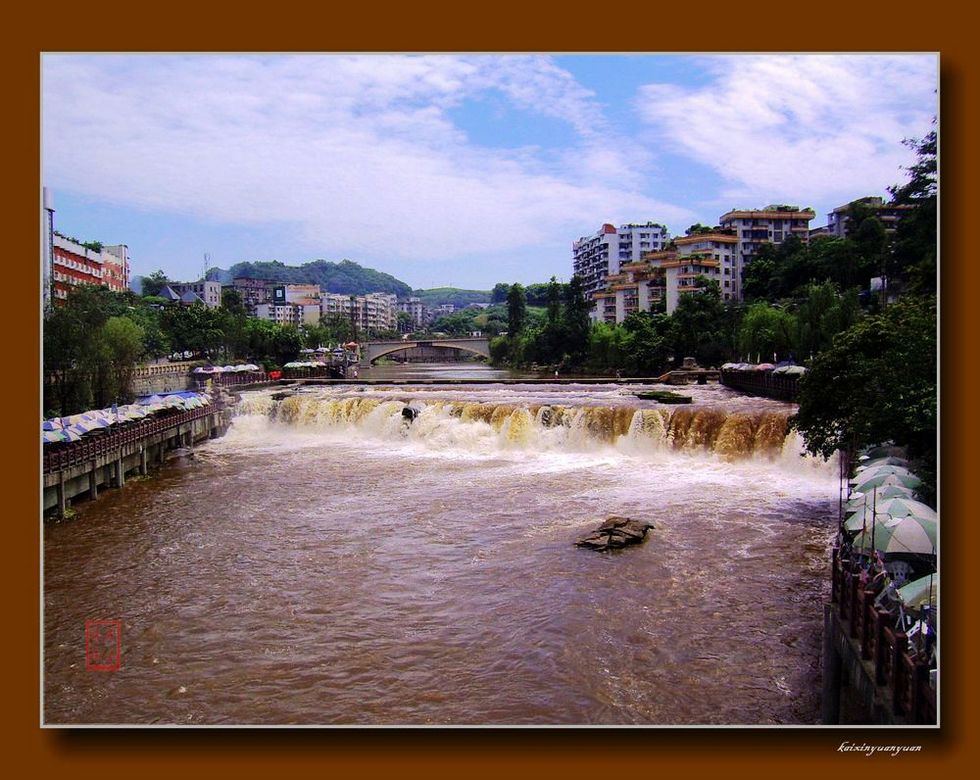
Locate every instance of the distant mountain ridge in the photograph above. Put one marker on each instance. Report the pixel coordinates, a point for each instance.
(345, 278)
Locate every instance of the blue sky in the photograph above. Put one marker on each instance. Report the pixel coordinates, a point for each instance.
(463, 170)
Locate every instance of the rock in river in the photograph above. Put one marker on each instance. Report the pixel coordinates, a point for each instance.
(616, 532)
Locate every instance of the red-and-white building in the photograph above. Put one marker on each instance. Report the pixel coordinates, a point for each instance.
(73, 264)
(115, 267)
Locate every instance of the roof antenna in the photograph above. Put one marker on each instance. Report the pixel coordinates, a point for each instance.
(207, 265)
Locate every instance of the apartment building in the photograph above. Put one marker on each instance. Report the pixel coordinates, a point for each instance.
(416, 310)
(596, 257)
(295, 314)
(769, 225)
(371, 312)
(202, 291)
(635, 288)
(718, 246)
(72, 264)
(890, 214)
(252, 291)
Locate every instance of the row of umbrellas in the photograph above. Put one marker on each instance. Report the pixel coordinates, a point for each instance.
(789, 370)
(883, 511)
(304, 364)
(222, 369)
(73, 427)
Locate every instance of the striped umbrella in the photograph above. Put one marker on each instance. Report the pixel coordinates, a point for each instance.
(889, 509)
(859, 501)
(916, 593)
(899, 535)
(49, 437)
(867, 484)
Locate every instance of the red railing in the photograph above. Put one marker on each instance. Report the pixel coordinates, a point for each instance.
(87, 449)
(896, 664)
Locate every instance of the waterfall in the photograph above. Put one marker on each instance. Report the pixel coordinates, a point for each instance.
(481, 425)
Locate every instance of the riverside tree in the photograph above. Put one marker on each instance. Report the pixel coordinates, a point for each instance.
(876, 384)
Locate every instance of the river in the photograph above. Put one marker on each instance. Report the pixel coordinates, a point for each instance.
(328, 562)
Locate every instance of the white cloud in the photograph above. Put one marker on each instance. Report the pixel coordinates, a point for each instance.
(359, 154)
(810, 127)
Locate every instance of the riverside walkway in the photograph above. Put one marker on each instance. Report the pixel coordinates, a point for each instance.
(104, 459)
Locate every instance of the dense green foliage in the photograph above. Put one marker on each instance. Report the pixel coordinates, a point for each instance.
(876, 384)
(93, 342)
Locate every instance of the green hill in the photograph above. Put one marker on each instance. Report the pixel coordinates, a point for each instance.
(437, 296)
(345, 277)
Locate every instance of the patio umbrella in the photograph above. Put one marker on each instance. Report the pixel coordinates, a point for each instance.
(889, 509)
(916, 593)
(867, 483)
(859, 500)
(765, 367)
(49, 437)
(899, 535)
(888, 460)
(884, 451)
(861, 472)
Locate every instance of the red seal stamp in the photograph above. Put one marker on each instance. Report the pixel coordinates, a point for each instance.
(103, 645)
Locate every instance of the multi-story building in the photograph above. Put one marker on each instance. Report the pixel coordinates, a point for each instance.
(371, 312)
(718, 246)
(202, 291)
(770, 225)
(300, 294)
(635, 288)
(415, 309)
(252, 291)
(289, 313)
(47, 246)
(115, 267)
(280, 313)
(73, 264)
(596, 257)
(889, 213)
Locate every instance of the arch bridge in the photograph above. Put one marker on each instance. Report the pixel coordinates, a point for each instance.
(374, 350)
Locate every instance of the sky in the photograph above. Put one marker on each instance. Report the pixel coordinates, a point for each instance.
(457, 170)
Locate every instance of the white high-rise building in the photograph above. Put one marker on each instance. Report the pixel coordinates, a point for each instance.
(47, 246)
(596, 257)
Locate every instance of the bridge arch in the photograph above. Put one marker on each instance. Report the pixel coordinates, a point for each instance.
(373, 351)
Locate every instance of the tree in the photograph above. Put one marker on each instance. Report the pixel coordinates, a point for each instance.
(576, 322)
(516, 310)
(121, 346)
(499, 293)
(700, 325)
(648, 343)
(766, 331)
(823, 315)
(913, 258)
(154, 283)
(876, 384)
